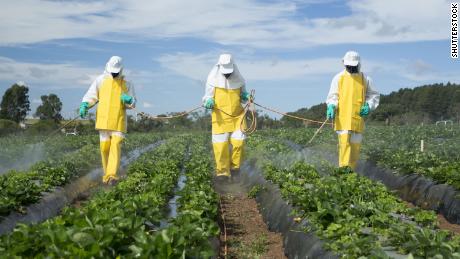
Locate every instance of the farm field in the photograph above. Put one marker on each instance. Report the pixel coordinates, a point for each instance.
(397, 148)
(23, 187)
(168, 205)
(250, 129)
(19, 153)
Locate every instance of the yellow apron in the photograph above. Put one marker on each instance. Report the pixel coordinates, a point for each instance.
(352, 89)
(227, 100)
(111, 113)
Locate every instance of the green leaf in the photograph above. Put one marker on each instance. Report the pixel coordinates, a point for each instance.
(83, 239)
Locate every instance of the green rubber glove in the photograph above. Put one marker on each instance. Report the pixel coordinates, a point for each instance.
(84, 106)
(244, 96)
(209, 103)
(364, 110)
(126, 99)
(330, 113)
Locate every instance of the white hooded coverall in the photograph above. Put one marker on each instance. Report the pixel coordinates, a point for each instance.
(111, 118)
(226, 129)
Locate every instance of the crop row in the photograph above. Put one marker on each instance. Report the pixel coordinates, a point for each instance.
(353, 215)
(439, 141)
(398, 148)
(22, 150)
(114, 222)
(189, 234)
(20, 189)
(426, 164)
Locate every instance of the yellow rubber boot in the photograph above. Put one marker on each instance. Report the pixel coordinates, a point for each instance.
(222, 157)
(354, 156)
(114, 159)
(105, 149)
(237, 153)
(344, 150)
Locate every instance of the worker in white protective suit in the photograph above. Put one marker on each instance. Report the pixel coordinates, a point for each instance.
(114, 95)
(351, 97)
(225, 91)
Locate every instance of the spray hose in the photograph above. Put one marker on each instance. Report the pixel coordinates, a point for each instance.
(65, 125)
(293, 116)
(248, 113)
(60, 128)
(146, 115)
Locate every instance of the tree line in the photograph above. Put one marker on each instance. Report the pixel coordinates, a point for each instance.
(424, 104)
(15, 105)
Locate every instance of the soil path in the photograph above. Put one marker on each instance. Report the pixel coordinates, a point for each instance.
(244, 234)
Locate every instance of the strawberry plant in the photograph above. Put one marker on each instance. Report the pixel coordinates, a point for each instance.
(396, 147)
(113, 221)
(355, 216)
(188, 235)
(24, 188)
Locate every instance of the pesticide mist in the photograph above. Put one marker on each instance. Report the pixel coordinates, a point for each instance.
(31, 154)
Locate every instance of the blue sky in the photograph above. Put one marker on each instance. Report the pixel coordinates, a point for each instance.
(288, 51)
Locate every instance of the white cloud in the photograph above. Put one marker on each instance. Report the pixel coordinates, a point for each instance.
(198, 66)
(277, 73)
(147, 105)
(64, 75)
(419, 71)
(238, 22)
(420, 68)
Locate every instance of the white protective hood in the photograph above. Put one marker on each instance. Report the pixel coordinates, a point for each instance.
(217, 79)
(114, 65)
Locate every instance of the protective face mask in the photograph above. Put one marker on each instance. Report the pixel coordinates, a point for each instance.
(352, 69)
(114, 75)
(227, 75)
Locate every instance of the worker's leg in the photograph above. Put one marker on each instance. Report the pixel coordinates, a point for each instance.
(221, 153)
(237, 141)
(104, 142)
(344, 148)
(355, 144)
(114, 156)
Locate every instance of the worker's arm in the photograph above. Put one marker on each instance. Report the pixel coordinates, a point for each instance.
(333, 96)
(208, 93)
(132, 93)
(244, 94)
(243, 88)
(92, 95)
(372, 96)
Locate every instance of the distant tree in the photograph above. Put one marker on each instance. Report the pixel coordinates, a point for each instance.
(143, 123)
(201, 120)
(455, 111)
(265, 122)
(291, 122)
(50, 109)
(425, 104)
(15, 103)
(182, 121)
(386, 111)
(315, 112)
